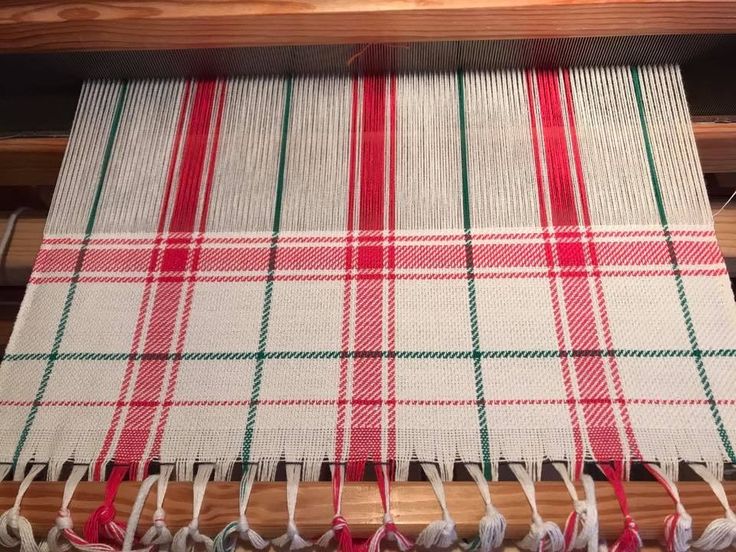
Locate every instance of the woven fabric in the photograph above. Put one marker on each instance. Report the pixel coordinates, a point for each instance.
(476, 267)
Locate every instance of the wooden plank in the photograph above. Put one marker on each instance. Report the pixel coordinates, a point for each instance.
(716, 146)
(23, 248)
(31, 161)
(35, 161)
(413, 505)
(48, 25)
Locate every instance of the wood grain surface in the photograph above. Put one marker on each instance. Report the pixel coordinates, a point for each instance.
(413, 504)
(31, 161)
(716, 146)
(52, 25)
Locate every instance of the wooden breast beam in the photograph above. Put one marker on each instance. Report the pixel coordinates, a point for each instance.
(49, 25)
(413, 505)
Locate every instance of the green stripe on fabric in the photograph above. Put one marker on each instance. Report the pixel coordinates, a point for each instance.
(66, 310)
(472, 303)
(679, 283)
(268, 293)
(406, 355)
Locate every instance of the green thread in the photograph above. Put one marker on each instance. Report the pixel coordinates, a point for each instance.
(66, 310)
(472, 302)
(268, 293)
(679, 283)
(405, 355)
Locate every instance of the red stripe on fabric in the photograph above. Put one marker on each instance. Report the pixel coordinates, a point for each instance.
(347, 290)
(165, 312)
(365, 421)
(579, 304)
(600, 297)
(331, 256)
(391, 326)
(189, 295)
(555, 300)
(147, 289)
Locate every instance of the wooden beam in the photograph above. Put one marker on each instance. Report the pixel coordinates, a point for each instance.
(48, 25)
(23, 248)
(31, 161)
(413, 505)
(716, 146)
(35, 161)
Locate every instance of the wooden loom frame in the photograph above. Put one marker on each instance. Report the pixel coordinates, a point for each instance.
(40, 26)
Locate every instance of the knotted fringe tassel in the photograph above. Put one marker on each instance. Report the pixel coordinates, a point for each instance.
(187, 538)
(16, 530)
(135, 513)
(61, 537)
(388, 529)
(291, 538)
(720, 533)
(492, 527)
(340, 529)
(102, 524)
(159, 535)
(440, 533)
(629, 539)
(543, 535)
(581, 527)
(678, 527)
(227, 539)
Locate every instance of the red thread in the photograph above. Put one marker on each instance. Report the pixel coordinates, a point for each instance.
(339, 524)
(670, 522)
(366, 434)
(101, 522)
(554, 294)
(388, 527)
(570, 530)
(628, 540)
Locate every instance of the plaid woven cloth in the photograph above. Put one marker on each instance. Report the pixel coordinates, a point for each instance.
(472, 267)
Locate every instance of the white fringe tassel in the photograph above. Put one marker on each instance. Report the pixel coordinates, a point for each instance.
(492, 526)
(585, 516)
(55, 541)
(720, 533)
(227, 539)
(291, 538)
(135, 514)
(388, 529)
(16, 530)
(543, 535)
(339, 524)
(188, 537)
(159, 534)
(678, 527)
(440, 533)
